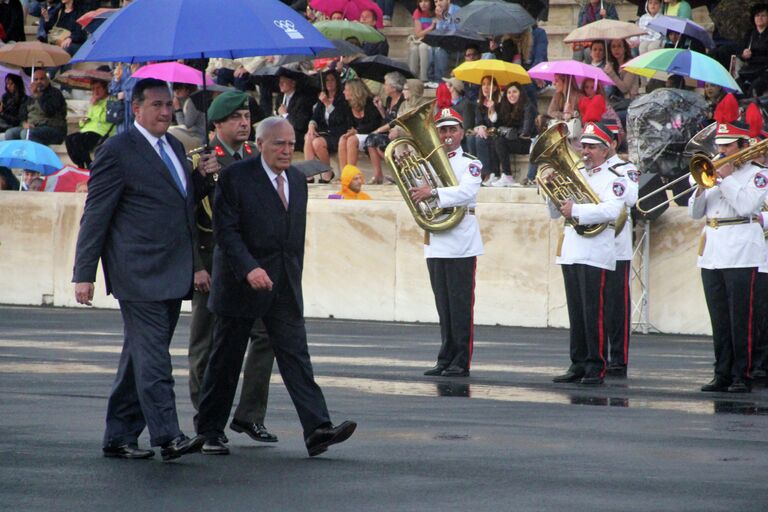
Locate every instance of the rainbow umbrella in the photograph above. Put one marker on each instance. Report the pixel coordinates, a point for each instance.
(695, 66)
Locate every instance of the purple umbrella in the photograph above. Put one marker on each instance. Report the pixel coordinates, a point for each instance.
(173, 72)
(682, 26)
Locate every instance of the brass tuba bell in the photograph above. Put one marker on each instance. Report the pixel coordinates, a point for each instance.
(552, 150)
(419, 159)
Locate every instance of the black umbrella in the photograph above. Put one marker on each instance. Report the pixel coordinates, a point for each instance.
(455, 40)
(376, 66)
(494, 18)
(202, 98)
(534, 7)
(342, 49)
(269, 75)
(312, 167)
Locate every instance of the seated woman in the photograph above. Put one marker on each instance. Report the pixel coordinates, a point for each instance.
(376, 142)
(330, 120)
(564, 104)
(14, 99)
(679, 8)
(627, 84)
(515, 127)
(486, 114)
(62, 27)
(364, 119)
(93, 127)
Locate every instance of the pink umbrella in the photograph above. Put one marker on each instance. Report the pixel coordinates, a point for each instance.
(576, 69)
(66, 179)
(173, 72)
(350, 9)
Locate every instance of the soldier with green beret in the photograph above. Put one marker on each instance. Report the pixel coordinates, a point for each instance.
(230, 114)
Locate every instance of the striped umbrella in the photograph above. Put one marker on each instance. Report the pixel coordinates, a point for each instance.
(695, 66)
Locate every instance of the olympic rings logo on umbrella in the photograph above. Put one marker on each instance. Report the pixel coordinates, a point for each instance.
(289, 28)
(19, 152)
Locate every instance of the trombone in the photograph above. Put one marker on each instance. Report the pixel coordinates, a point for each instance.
(702, 168)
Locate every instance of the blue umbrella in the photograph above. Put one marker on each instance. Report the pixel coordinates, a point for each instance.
(149, 30)
(25, 154)
(682, 26)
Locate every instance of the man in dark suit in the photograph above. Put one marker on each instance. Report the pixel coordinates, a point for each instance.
(259, 223)
(139, 220)
(231, 118)
(293, 104)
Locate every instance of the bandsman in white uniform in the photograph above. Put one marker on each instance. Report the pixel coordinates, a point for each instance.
(619, 301)
(452, 254)
(732, 248)
(586, 261)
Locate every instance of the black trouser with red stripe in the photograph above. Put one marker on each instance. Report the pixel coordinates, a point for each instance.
(618, 312)
(760, 359)
(453, 283)
(585, 294)
(730, 294)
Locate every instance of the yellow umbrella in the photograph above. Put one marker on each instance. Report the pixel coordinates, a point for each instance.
(503, 72)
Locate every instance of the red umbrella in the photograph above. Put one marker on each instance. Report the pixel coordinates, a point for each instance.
(350, 9)
(66, 179)
(88, 17)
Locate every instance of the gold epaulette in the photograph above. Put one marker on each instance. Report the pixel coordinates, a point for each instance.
(193, 155)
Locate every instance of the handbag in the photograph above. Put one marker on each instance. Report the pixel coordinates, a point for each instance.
(57, 35)
(115, 110)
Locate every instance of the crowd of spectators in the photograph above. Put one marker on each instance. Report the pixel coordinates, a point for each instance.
(337, 114)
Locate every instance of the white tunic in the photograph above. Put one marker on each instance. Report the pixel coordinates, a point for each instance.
(599, 250)
(463, 240)
(739, 195)
(625, 170)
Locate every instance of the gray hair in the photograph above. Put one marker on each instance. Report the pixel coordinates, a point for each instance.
(396, 80)
(267, 125)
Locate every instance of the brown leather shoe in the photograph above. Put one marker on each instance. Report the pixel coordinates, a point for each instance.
(318, 441)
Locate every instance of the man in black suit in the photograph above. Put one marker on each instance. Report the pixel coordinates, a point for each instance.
(293, 104)
(259, 222)
(139, 220)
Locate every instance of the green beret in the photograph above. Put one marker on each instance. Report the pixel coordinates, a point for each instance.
(225, 104)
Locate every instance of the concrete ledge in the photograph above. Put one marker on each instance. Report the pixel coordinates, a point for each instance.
(364, 260)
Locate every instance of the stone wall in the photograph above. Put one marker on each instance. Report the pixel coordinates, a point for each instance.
(364, 260)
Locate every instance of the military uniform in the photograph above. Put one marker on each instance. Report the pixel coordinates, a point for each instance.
(257, 370)
(732, 248)
(586, 262)
(619, 302)
(452, 261)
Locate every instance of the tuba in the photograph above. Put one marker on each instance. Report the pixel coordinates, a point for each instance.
(419, 159)
(559, 159)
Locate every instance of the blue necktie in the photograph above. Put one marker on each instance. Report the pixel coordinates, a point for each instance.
(171, 167)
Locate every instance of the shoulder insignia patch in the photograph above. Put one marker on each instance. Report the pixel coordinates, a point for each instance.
(618, 188)
(219, 151)
(760, 180)
(474, 170)
(634, 175)
(247, 147)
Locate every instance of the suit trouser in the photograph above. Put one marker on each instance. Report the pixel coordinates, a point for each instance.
(618, 312)
(730, 294)
(453, 284)
(142, 394)
(254, 395)
(585, 295)
(285, 327)
(760, 359)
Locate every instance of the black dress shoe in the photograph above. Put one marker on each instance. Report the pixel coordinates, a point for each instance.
(759, 374)
(318, 441)
(214, 446)
(716, 385)
(126, 451)
(455, 371)
(569, 376)
(616, 370)
(739, 386)
(435, 370)
(592, 380)
(255, 431)
(181, 445)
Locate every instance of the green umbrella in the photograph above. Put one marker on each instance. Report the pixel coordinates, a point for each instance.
(344, 29)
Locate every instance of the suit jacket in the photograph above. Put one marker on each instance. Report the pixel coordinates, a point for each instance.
(253, 229)
(137, 222)
(299, 114)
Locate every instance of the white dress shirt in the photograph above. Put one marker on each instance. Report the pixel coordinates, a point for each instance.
(168, 149)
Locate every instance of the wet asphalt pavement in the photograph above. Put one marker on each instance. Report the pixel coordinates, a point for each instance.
(505, 439)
